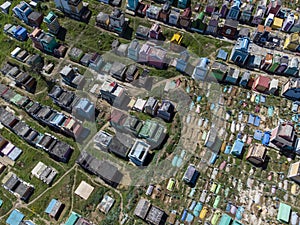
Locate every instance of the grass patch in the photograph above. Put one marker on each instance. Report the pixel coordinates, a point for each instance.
(141, 116)
(95, 40)
(169, 73)
(28, 160)
(88, 208)
(7, 201)
(62, 191)
(201, 45)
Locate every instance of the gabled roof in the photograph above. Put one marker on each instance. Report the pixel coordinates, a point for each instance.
(15, 217)
(142, 208)
(155, 215)
(237, 147)
(264, 81)
(257, 151)
(118, 148)
(231, 23)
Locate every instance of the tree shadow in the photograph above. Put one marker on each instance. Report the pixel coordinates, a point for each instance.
(62, 34)
(128, 33)
(264, 166)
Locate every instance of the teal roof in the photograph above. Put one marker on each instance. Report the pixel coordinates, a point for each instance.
(72, 219)
(225, 220)
(236, 223)
(284, 213)
(50, 17)
(198, 209)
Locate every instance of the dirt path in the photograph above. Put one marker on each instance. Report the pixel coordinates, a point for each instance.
(111, 188)
(73, 189)
(49, 188)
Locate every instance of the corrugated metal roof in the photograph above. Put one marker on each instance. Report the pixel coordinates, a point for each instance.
(72, 219)
(50, 206)
(225, 220)
(15, 217)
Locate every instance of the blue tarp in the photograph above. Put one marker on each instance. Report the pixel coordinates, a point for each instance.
(237, 148)
(15, 217)
(258, 135)
(251, 119)
(227, 149)
(266, 138)
(225, 220)
(184, 215)
(50, 206)
(57, 119)
(256, 121)
(189, 218)
(222, 55)
(177, 161)
(228, 207)
(213, 158)
(239, 213)
(262, 99)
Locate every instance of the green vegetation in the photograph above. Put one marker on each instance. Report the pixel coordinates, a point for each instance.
(201, 45)
(92, 39)
(88, 208)
(112, 217)
(141, 116)
(28, 160)
(61, 191)
(8, 201)
(85, 207)
(73, 29)
(169, 73)
(97, 40)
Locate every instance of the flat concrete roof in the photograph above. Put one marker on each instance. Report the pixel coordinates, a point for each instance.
(84, 190)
